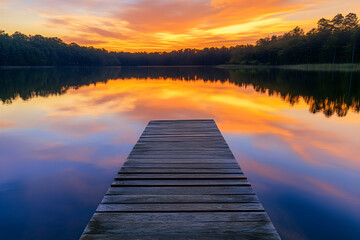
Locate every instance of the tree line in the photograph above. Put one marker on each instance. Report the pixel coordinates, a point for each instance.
(25, 50)
(335, 40)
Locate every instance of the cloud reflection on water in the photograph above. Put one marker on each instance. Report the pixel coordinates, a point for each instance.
(59, 146)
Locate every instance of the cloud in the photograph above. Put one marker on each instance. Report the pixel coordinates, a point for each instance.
(84, 39)
(64, 152)
(78, 5)
(103, 32)
(166, 16)
(165, 25)
(3, 4)
(77, 129)
(6, 124)
(305, 182)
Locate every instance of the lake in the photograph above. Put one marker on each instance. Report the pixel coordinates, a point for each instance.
(65, 132)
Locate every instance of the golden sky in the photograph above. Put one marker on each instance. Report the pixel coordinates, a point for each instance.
(163, 25)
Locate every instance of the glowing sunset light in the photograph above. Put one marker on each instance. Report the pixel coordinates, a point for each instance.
(159, 25)
(237, 111)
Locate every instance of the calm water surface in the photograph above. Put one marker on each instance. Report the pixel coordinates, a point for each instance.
(64, 133)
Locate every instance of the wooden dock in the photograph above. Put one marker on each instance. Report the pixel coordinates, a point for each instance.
(180, 181)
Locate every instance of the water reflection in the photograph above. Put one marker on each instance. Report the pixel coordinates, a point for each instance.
(60, 149)
(323, 91)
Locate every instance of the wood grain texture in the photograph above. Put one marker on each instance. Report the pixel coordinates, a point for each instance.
(183, 230)
(182, 216)
(180, 207)
(180, 181)
(181, 165)
(182, 161)
(181, 190)
(178, 176)
(180, 198)
(179, 170)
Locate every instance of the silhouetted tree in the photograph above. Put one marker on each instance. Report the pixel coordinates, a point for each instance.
(333, 41)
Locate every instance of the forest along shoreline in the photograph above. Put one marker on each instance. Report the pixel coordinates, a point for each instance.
(333, 41)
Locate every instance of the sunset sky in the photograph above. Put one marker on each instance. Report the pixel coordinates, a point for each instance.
(163, 25)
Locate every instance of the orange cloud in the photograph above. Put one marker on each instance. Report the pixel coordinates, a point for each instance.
(305, 183)
(237, 12)
(78, 129)
(6, 124)
(55, 151)
(3, 4)
(166, 16)
(332, 190)
(165, 25)
(159, 25)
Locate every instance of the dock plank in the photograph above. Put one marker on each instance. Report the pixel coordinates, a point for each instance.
(187, 230)
(179, 198)
(180, 181)
(184, 176)
(179, 170)
(181, 190)
(180, 207)
(182, 216)
(183, 161)
(181, 165)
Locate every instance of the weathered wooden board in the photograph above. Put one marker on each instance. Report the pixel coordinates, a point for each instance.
(179, 170)
(179, 198)
(181, 190)
(180, 181)
(183, 161)
(182, 156)
(178, 176)
(181, 165)
(182, 216)
(180, 207)
(180, 230)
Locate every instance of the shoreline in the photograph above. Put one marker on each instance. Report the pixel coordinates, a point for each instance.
(327, 67)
